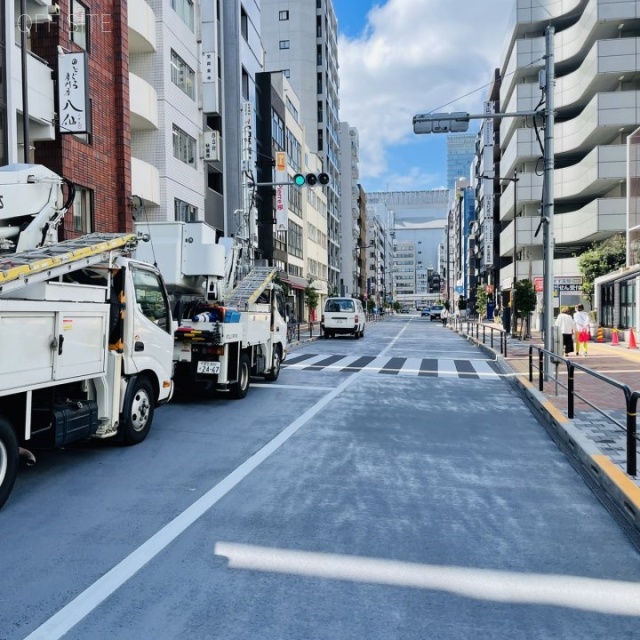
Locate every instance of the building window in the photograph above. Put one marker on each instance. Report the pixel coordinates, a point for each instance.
(319, 55)
(184, 212)
(83, 210)
(320, 114)
(182, 75)
(245, 84)
(184, 147)
(244, 24)
(277, 130)
(283, 15)
(319, 83)
(283, 44)
(78, 24)
(320, 140)
(185, 9)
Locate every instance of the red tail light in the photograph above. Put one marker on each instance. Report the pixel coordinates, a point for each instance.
(356, 320)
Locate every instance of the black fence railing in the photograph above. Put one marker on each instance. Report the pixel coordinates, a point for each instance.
(630, 397)
(481, 333)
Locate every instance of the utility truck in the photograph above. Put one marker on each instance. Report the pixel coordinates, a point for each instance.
(86, 334)
(226, 334)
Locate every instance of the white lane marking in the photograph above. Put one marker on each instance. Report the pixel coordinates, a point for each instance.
(484, 370)
(338, 364)
(447, 368)
(613, 597)
(275, 385)
(87, 601)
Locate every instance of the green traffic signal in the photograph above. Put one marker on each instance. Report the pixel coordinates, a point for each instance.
(311, 179)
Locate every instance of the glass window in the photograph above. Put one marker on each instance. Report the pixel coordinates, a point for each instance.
(182, 75)
(151, 297)
(78, 24)
(244, 24)
(184, 8)
(627, 303)
(283, 15)
(277, 130)
(184, 147)
(283, 44)
(82, 211)
(184, 212)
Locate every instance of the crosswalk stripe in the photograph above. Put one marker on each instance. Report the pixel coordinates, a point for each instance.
(430, 367)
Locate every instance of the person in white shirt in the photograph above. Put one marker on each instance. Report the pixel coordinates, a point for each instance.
(581, 320)
(443, 316)
(565, 322)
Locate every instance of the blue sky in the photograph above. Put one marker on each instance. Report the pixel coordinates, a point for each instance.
(402, 57)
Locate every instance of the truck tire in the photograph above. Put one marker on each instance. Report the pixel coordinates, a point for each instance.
(8, 460)
(138, 411)
(272, 376)
(239, 388)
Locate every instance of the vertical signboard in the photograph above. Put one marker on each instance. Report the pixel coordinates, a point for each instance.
(247, 136)
(282, 192)
(633, 198)
(73, 96)
(488, 205)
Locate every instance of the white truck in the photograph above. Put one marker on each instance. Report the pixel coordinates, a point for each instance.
(226, 334)
(86, 334)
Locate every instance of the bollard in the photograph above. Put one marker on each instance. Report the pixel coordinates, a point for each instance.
(570, 387)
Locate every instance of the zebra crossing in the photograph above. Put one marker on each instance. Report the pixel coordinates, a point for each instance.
(429, 367)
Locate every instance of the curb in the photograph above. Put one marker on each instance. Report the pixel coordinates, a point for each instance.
(597, 468)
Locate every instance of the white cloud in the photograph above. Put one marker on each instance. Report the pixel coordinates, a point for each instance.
(413, 57)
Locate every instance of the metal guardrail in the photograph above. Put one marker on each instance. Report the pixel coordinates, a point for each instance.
(478, 331)
(631, 397)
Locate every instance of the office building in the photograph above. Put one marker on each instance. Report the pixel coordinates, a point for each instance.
(461, 148)
(300, 39)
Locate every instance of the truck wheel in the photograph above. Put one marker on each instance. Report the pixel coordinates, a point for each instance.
(137, 416)
(239, 388)
(272, 376)
(8, 460)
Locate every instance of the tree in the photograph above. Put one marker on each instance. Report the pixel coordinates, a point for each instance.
(481, 301)
(602, 258)
(333, 292)
(525, 299)
(311, 297)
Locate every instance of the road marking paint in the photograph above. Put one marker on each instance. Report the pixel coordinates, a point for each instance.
(606, 596)
(88, 600)
(628, 487)
(274, 385)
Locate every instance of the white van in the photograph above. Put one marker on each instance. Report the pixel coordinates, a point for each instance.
(343, 315)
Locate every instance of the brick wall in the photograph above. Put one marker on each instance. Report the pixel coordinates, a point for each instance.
(103, 164)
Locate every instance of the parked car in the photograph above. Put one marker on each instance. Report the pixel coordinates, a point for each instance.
(436, 312)
(425, 312)
(343, 315)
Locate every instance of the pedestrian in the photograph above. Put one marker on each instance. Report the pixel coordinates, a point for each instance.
(443, 316)
(581, 320)
(566, 325)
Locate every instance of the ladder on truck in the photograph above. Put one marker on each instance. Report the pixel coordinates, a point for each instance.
(250, 287)
(18, 270)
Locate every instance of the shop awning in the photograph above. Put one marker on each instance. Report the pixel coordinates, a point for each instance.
(294, 282)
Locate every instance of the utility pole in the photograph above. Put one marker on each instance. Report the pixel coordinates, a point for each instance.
(548, 195)
(514, 321)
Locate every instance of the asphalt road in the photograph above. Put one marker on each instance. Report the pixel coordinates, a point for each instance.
(390, 487)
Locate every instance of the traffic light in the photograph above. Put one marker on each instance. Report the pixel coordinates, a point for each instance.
(311, 179)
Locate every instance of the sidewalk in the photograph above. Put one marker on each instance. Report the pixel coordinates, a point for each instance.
(596, 442)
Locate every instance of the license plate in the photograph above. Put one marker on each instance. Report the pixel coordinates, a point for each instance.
(205, 366)
(340, 321)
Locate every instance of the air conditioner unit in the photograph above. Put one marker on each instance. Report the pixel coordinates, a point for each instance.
(212, 146)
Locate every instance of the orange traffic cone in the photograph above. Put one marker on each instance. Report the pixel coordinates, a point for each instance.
(614, 337)
(632, 340)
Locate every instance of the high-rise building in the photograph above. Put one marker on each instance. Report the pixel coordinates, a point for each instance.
(4, 152)
(350, 215)
(597, 105)
(461, 148)
(300, 39)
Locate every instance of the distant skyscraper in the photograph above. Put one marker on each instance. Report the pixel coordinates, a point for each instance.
(461, 149)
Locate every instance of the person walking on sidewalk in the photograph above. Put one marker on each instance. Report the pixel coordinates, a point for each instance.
(566, 325)
(581, 320)
(444, 315)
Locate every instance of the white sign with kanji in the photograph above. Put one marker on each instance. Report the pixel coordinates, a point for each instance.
(72, 93)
